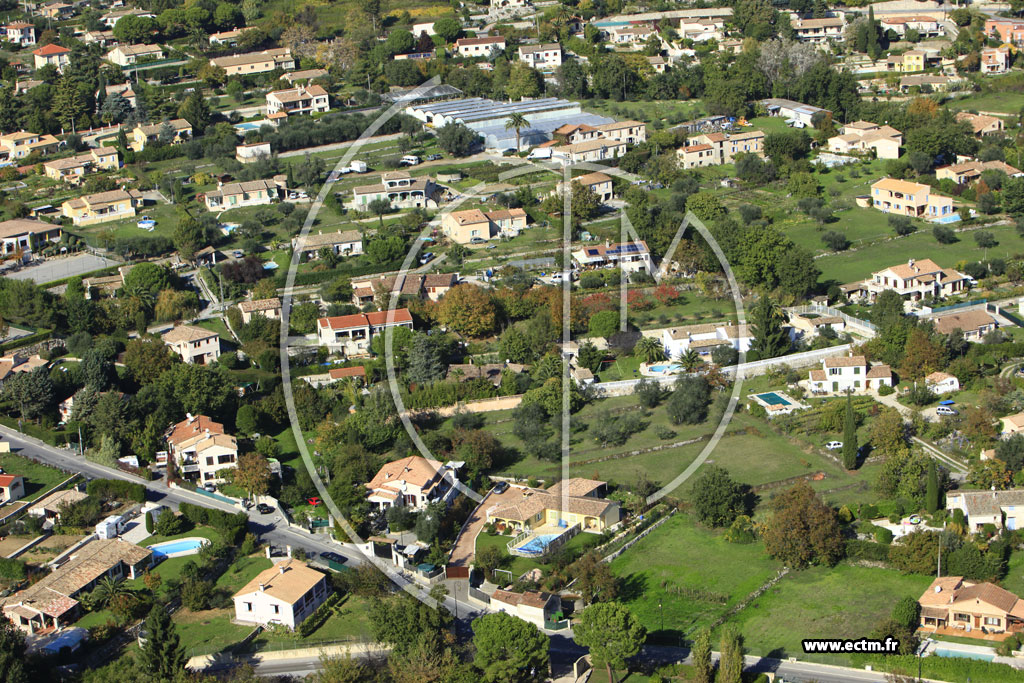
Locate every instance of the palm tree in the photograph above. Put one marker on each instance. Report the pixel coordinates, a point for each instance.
(108, 589)
(649, 350)
(690, 360)
(516, 121)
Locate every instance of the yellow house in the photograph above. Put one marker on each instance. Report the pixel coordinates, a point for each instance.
(102, 207)
(144, 135)
(23, 144)
(581, 503)
(73, 169)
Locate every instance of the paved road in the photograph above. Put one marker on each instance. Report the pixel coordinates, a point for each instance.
(60, 268)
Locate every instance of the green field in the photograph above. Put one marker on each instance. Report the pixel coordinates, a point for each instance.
(38, 478)
(682, 576)
(838, 602)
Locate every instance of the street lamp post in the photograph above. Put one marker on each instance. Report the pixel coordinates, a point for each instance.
(662, 613)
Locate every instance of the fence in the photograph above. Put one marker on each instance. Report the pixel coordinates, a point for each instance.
(954, 307)
(838, 313)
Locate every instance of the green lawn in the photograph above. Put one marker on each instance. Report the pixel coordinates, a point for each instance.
(208, 631)
(520, 565)
(38, 478)
(856, 265)
(220, 327)
(684, 576)
(838, 602)
(242, 572)
(1009, 102)
(350, 620)
(200, 532)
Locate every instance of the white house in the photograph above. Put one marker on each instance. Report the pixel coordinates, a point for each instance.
(631, 257)
(988, 507)
(126, 55)
(268, 308)
(400, 189)
(287, 593)
(193, 344)
(247, 193)
(848, 373)
(302, 99)
(864, 136)
(352, 334)
(413, 482)
(479, 47)
(532, 606)
(542, 56)
(251, 152)
(912, 280)
(792, 111)
(20, 33)
(704, 338)
(942, 383)
(342, 243)
(12, 488)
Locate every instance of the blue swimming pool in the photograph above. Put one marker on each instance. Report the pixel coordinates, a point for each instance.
(664, 367)
(951, 218)
(983, 656)
(249, 125)
(773, 399)
(537, 544)
(182, 546)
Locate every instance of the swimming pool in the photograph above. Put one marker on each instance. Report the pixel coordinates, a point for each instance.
(537, 544)
(983, 656)
(773, 399)
(664, 367)
(951, 218)
(250, 125)
(177, 548)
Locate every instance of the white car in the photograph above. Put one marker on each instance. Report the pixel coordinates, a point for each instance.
(834, 445)
(945, 410)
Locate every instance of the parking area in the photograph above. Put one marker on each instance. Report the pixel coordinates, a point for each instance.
(60, 268)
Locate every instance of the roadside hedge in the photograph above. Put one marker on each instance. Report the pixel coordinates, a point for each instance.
(231, 525)
(943, 668)
(117, 489)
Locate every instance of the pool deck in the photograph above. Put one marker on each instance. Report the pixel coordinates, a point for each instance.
(790, 404)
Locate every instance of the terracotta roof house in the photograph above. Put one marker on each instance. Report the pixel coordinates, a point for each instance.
(974, 324)
(913, 280)
(268, 308)
(287, 594)
(842, 374)
(536, 607)
(352, 334)
(580, 504)
(413, 482)
(49, 505)
(193, 344)
(976, 609)
(998, 508)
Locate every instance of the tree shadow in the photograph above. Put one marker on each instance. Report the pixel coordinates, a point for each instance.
(632, 587)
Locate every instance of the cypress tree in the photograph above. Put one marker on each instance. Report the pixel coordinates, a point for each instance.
(149, 522)
(700, 653)
(162, 654)
(849, 436)
(931, 494)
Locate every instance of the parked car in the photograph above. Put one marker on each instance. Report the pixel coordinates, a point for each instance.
(834, 445)
(945, 410)
(210, 488)
(501, 487)
(426, 258)
(477, 240)
(264, 509)
(434, 157)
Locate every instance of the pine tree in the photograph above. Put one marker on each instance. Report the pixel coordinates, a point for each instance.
(770, 337)
(68, 104)
(931, 494)
(700, 654)
(849, 436)
(162, 654)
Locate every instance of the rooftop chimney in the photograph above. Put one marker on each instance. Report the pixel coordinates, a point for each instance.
(280, 568)
(263, 587)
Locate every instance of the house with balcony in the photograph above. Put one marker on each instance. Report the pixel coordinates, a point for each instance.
(955, 605)
(842, 374)
(705, 338)
(201, 449)
(969, 171)
(544, 56)
(22, 144)
(631, 257)
(702, 29)
(52, 55)
(926, 27)
(865, 137)
(1005, 30)
(256, 62)
(400, 189)
(20, 33)
(246, 193)
(127, 55)
(819, 31)
(193, 344)
(631, 35)
(627, 132)
(413, 482)
(302, 99)
(74, 169)
(173, 132)
(905, 198)
(228, 38)
(913, 280)
(102, 207)
(432, 286)
(484, 46)
(26, 235)
(715, 149)
(352, 334)
(995, 60)
(287, 594)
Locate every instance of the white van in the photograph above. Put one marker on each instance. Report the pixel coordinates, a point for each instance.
(945, 410)
(409, 160)
(111, 527)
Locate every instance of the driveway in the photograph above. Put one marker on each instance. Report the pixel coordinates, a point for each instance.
(60, 268)
(465, 544)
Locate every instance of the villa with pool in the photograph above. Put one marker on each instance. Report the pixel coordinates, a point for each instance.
(552, 516)
(704, 338)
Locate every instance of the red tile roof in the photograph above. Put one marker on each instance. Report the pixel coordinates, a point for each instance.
(51, 49)
(376, 318)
